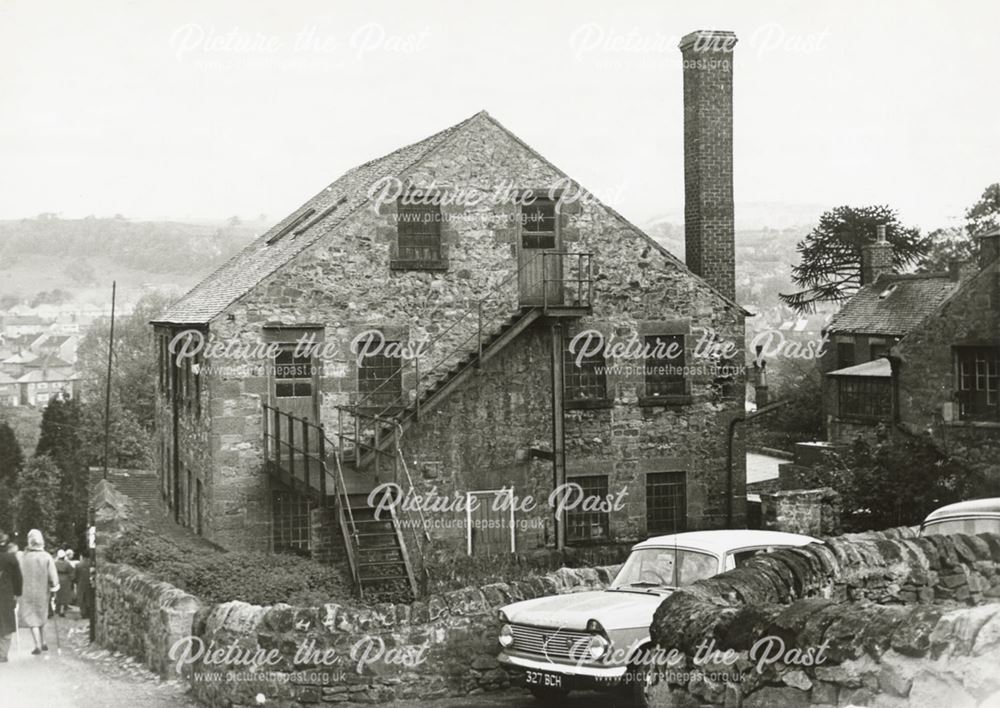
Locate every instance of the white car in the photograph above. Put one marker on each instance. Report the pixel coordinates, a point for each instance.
(597, 640)
(969, 517)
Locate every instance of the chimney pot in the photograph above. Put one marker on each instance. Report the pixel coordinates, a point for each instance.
(880, 233)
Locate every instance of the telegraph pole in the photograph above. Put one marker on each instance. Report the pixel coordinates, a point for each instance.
(107, 390)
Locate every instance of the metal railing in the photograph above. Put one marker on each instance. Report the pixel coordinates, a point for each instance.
(287, 446)
(348, 529)
(479, 322)
(300, 452)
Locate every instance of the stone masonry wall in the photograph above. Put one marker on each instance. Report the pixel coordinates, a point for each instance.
(137, 614)
(927, 379)
(813, 512)
(345, 284)
(444, 645)
(890, 620)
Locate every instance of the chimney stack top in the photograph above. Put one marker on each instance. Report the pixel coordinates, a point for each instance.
(709, 41)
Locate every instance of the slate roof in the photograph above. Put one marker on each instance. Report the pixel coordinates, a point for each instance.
(332, 207)
(259, 259)
(893, 304)
(48, 361)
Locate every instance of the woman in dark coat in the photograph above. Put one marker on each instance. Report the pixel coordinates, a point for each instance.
(67, 573)
(10, 590)
(84, 591)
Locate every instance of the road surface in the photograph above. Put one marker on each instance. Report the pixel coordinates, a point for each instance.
(79, 676)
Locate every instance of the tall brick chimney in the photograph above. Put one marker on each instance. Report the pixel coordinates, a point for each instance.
(876, 258)
(709, 231)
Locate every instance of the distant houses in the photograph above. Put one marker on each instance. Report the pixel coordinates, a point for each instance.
(37, 361)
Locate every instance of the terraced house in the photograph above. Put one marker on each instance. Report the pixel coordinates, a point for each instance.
(442, 288)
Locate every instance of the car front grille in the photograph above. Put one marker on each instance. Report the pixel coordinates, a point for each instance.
(553, 644)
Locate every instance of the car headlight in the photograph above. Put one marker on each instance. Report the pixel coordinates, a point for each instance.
(598, 646)
(506, 636)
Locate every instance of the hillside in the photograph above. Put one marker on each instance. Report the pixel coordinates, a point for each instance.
(764, 259)
(83, 256)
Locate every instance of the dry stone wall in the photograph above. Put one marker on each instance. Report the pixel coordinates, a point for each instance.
(880, 619)
(136, 613)
(443, 645)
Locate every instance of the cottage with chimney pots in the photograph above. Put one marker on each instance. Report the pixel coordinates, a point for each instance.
(919, 352)
(447, 288)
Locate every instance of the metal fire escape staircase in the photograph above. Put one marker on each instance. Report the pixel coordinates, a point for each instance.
(338, 469)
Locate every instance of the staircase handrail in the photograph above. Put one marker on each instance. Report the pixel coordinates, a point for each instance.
(477, 308)
(351, 529)
(409, 481)
(461, 346)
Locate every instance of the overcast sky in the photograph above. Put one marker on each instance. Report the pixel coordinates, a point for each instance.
(205, 109)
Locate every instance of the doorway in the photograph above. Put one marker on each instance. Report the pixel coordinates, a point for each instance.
(490, 525)
(539, 276)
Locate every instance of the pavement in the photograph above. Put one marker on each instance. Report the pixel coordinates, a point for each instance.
(74, 674)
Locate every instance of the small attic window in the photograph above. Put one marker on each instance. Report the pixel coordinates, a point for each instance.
(295, 222)
(887, 292)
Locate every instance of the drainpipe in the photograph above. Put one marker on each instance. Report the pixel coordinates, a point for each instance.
(558, 427)
(769, 408)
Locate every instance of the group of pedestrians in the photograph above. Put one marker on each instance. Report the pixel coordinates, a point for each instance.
(33, 586)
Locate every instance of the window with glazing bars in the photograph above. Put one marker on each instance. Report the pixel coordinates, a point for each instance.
(978, 379)
(664, 365)
(666, 502)
(419, 232)
(292, 374)
(538, 224)
(585, 377)
(845, 354)
(290, 522)
(867, 397)
(380, 379)
(588, 525)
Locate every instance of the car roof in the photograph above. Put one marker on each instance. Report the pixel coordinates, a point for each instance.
(964, 508)
(723, 540)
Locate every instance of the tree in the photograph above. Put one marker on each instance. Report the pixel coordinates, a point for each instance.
(133, 385)
(830, 265)
(60, 441)
(958, 244)
(984, 214)
(11, 462)
(946, 245)
(38, 498)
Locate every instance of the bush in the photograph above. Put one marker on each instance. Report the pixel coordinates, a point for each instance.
(217, 576)
(896, 480)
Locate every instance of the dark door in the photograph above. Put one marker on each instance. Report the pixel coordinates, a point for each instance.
(539, 276)
(490, 525)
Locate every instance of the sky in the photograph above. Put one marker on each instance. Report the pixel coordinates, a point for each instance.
(206, 109)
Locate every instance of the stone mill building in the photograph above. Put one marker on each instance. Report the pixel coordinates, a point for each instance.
(460, 318)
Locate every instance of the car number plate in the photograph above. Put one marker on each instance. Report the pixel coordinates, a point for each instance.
(542, 678)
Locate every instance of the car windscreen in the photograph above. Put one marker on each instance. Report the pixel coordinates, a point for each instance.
(665, 567)
(969, 525)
